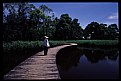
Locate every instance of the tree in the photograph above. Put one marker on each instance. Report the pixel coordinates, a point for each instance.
(24, 21)
(63, 27)
(35, 17)
(46, 18)
(104, 31)
(101, 31)
(93, 29)
(113, 31)
(67, 29)
(16, 20)
(76, 30)
(9, 24)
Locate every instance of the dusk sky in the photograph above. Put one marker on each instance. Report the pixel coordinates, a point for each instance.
(85, 12)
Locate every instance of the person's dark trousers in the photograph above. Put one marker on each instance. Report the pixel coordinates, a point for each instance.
(45, 50)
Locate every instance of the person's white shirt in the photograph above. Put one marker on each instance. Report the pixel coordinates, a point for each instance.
(46, 42)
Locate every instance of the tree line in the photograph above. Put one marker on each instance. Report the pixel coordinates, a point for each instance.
(26, 22)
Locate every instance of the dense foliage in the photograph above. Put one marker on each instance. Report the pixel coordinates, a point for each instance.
(25, 22)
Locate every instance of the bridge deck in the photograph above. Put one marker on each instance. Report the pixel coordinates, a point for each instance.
(37, 66)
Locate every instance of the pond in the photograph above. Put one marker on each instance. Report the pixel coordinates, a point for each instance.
(75, 62)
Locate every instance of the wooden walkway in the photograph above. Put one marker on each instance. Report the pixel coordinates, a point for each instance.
(37, 67)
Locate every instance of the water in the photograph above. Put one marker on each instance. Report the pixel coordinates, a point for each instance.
(88, 63)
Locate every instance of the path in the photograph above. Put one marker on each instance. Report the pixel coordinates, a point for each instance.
(37, 66)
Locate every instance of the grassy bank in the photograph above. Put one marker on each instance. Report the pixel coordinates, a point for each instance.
(17, 51)
(98, 43)
(22, 45)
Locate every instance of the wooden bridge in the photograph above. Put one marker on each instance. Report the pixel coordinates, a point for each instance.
(37, 67)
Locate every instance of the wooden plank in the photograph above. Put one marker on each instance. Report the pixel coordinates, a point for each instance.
(37, 67)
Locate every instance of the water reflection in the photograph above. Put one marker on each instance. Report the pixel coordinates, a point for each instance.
(70, 57)
(95, 56)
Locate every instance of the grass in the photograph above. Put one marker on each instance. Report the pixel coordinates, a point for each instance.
(17, 51)
(21, 45)
(98, 43)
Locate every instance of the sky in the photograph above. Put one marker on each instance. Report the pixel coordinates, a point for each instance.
(85, 12)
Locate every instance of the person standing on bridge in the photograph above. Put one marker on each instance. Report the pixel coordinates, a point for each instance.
(46, 45)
